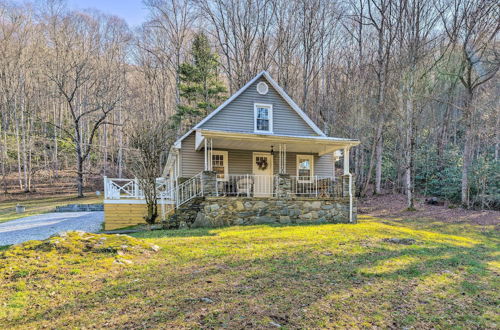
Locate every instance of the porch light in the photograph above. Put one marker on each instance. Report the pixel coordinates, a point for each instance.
(272, 151)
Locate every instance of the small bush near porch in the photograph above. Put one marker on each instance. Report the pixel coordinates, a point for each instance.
(380, 273)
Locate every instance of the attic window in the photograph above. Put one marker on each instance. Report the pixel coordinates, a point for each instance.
(262, 88)
(263, 118)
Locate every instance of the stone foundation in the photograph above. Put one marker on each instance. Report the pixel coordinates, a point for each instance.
(231, 211)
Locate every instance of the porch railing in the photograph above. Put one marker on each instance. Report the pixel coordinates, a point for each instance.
(249, 185)
(243, 185)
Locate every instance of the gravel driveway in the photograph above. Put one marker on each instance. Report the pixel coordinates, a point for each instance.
(39, 227)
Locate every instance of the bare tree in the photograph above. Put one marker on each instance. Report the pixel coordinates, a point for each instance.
(151, 142)
(384, 17)
(417, 41)
(86, 64)
(472, 27)
(238, 27)
(171, 23)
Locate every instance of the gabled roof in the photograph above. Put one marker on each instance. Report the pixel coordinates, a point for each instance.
(280, 91)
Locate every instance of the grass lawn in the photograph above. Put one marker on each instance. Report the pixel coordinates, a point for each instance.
(310, 276)
(37, 205)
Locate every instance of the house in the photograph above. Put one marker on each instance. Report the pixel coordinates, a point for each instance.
(257, 158)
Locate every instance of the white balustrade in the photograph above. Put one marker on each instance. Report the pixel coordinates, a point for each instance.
(237, 185)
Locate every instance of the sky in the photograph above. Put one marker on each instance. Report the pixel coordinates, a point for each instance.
(132, 11)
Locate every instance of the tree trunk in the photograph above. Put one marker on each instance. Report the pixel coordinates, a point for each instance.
(79, 174)
(18, 144)
(409, 152)
(3, 152)
(378, 168)
(378, 135)
(467, 152)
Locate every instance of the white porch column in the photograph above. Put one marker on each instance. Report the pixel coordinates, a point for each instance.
(346, 161)
(282, 158)
(349, 176)
(206, 156)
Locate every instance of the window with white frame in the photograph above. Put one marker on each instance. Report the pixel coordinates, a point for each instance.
(263, 114)
(219, 164)
(305, 168)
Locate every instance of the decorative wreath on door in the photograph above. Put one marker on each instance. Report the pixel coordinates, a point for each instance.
(262, 163)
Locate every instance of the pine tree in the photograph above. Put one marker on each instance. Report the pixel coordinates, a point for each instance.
(200, 88)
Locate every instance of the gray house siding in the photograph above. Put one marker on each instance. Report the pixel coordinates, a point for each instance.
(241, 161)
(192, 162)
(323, 166)
(238, 116)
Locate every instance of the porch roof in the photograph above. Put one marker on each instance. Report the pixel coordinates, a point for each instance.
(259, 141)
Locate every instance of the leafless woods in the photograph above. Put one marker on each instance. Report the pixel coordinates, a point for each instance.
(415, 80)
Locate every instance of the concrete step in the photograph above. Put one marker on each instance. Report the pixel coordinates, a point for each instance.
(80, 208)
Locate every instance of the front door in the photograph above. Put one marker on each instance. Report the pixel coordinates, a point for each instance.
(263, 174)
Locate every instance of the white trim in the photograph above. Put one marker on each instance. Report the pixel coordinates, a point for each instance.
(285, 138)
(311, 161)
(262, 105)
(225, 163)
(198, 140)
(280, 91)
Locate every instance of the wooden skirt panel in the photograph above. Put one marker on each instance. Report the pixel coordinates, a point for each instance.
(125, 215)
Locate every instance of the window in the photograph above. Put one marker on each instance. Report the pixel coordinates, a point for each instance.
(305, 166)
(219, 164)
(263, 118)
(262, 88)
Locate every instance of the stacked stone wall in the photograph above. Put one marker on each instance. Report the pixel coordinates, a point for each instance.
(231, 211)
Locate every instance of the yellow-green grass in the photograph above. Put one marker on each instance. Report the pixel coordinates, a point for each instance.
(302, 276)
(37, 205)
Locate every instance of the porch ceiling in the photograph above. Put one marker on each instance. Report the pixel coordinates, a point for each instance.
(245, 141)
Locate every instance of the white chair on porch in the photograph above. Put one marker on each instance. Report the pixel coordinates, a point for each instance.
(244, 186)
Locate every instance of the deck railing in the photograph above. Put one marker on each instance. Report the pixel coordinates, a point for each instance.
(115, 188)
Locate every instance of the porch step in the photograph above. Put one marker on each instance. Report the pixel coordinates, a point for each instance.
(80, 208)
(185, 214)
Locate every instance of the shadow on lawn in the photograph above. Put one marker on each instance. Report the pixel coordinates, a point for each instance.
(199, 232)
(212, 231)
(280, 282)
(257, 286)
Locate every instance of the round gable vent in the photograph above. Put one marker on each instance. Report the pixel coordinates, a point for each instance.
(262, 88)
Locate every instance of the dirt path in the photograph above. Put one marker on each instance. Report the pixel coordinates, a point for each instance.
(394, 206)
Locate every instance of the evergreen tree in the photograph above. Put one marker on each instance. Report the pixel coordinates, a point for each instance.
(200, 88)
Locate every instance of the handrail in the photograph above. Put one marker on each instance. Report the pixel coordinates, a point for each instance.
(188, 190)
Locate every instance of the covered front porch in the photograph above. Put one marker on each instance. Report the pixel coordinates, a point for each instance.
(215, 164)
(252, 165)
